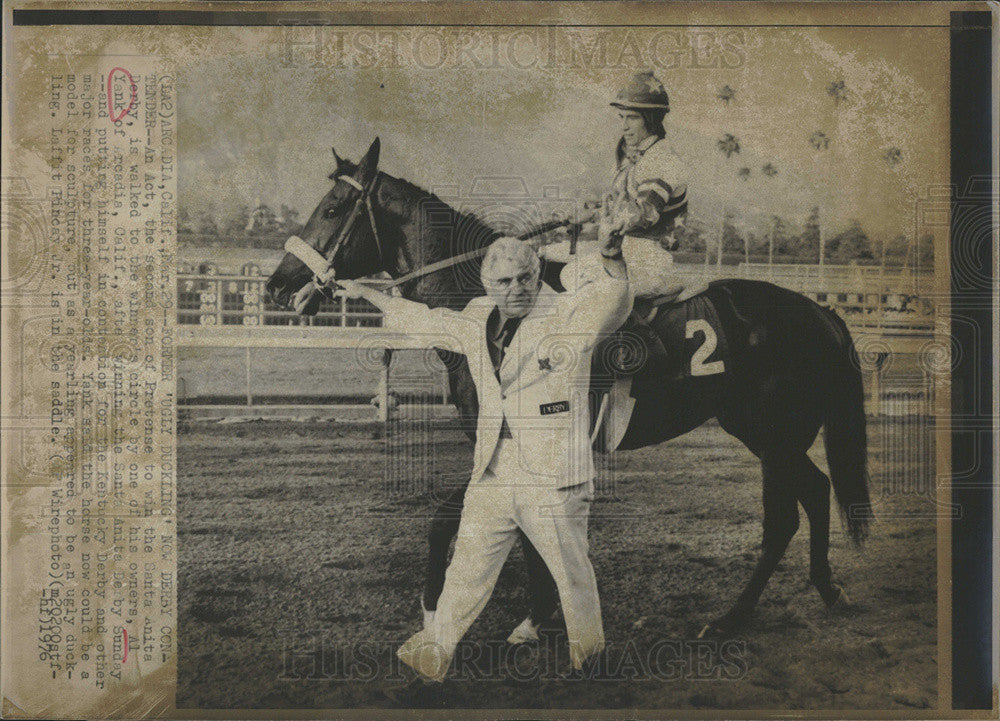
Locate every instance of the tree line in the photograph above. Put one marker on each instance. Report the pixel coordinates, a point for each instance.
(257, 226)
(779, 241)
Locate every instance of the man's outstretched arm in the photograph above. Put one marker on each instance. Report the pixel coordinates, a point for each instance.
(438, 327)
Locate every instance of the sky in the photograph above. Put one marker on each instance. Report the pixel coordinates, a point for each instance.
(252, 128)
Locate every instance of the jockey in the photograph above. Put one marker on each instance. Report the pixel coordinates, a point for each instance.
(649, 193)
(647, 199)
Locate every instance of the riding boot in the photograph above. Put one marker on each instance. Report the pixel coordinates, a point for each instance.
(638, 326)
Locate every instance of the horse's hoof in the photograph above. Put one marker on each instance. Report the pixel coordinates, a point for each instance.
(840, 600)
(714, 632)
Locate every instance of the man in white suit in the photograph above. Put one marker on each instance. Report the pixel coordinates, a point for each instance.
(529, 350)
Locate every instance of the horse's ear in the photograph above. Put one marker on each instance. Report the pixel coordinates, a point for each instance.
(343, 165)
(368, 167)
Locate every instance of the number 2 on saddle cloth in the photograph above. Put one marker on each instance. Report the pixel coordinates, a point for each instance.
(686, 380)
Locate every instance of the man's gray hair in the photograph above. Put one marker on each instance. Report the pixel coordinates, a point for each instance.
(507, 248)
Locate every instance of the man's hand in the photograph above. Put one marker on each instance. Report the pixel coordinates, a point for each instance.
(353, 289)
(609, 237)
(610, 234)
(307, 300)
(616, 221)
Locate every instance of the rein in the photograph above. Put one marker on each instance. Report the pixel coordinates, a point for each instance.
(320, 266)
(473, 254)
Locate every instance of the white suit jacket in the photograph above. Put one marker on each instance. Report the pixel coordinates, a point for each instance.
(544, 376)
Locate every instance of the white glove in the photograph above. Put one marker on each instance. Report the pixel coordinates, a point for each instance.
(301, 299)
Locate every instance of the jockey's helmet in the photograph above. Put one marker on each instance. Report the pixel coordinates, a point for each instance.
(644, 91)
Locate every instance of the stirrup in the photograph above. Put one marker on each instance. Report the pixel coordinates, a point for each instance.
(524, 633)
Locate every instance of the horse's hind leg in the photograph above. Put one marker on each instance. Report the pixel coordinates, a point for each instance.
(542, 592)
(781, 521)
(444, 527)
(814, 494)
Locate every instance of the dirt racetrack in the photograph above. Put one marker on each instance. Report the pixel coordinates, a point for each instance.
(300, 569)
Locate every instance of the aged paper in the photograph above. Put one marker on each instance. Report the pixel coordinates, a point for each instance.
(215, 505)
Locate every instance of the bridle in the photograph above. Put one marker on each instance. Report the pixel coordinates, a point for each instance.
(321, 265)
(364, 201)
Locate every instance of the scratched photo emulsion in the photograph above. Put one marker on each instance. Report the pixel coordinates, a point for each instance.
(446, 357)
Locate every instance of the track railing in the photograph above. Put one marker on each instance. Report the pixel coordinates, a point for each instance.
(867, 297)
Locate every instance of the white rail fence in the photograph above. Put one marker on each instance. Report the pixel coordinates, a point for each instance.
(888, 311)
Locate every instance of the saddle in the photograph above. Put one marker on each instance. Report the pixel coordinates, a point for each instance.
(636, 344)
(632, 349)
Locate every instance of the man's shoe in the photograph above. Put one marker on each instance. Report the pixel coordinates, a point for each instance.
(592, 668)
(425, 656)
(526, 632)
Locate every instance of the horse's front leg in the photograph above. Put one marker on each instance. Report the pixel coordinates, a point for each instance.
(781, 521)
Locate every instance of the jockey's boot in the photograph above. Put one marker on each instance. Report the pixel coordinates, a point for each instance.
(637, 325)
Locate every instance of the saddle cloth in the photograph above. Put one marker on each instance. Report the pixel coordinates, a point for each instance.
(696, 346)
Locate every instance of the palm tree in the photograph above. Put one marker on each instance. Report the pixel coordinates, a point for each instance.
(729, 144)
(769, 170)
(725, 94)
(837, 90)
(819, 140)
(743, 173)
(893, 155)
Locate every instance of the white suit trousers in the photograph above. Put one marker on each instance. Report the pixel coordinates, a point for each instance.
(555, 520)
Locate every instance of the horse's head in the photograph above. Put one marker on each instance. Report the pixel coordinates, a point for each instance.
(341, 229)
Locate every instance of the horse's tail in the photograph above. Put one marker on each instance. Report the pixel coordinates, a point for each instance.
(845, 436)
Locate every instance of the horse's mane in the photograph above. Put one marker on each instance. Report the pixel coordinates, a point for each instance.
(476, 230)
(444, 232)
(408, 195)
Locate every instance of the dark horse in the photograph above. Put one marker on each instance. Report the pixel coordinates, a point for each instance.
(791, 369)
